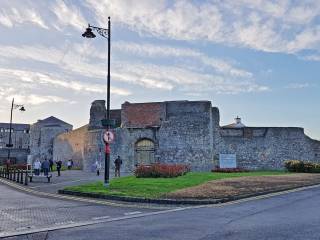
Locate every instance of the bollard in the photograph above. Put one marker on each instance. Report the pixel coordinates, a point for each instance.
(21, 177)
(18, 176)
(14, 175)
(26, 178)
(10, 174)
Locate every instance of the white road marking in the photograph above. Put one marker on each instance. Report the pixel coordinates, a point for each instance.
(99, 218)
(131, 213)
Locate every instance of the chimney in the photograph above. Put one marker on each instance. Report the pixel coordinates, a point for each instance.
(238, 120)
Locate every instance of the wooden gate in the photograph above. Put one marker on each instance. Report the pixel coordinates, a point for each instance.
(144, 152)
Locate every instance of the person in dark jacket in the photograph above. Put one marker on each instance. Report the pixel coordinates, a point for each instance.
(51, 165)
(117, 164)
(45, 167)
(59, 165)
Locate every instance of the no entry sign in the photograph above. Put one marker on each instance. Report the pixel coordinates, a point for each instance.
(108, 137)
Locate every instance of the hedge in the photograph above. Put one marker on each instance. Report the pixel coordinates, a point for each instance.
(301, 166)
(161, 170)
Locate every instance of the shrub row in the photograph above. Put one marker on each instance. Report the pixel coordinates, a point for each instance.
(161, 170)
(18, 166)
(300, 166)
(229, 170)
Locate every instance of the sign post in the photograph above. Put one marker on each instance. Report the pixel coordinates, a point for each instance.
(108, 137)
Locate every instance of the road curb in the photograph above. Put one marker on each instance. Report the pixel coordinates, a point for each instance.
(181, 201)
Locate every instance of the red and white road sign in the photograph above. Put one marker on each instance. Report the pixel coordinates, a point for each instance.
(108, 136)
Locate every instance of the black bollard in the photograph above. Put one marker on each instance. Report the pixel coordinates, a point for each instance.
(21, 177)
(18, 176)
(26, 178)
(14, 175)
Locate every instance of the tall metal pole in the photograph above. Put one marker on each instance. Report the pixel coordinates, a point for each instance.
(10, 139)
(107, 154)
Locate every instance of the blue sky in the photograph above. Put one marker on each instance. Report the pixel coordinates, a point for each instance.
(253, 58)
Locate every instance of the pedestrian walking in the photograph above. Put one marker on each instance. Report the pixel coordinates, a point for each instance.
(36, 167)
(45, 167)
(51, 165)
(69, 164)
(59, 165)
(98, 167)
(117, 164)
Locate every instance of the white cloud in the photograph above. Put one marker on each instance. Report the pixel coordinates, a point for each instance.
(78, 59)
(298, 85)
(272, 26)
(7, 93)
(34, 99)
(17, 14)
(68, 15)
(312, 57)
(37, 78)
(157, 51)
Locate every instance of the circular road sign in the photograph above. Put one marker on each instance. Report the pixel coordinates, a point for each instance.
(108, 136)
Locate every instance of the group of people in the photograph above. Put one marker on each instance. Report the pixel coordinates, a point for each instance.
(46, 166)
(117, 165)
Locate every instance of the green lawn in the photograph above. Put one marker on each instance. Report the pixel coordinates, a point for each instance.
(156, 187)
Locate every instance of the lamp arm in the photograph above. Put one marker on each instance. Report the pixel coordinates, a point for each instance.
(102, 31)
(15, 106)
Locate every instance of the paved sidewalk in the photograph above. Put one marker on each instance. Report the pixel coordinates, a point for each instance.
(20, 212)
(67, 178)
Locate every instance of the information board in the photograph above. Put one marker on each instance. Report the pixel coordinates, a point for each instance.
(227, 161)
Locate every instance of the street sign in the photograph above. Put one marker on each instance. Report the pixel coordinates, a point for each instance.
(108, 136)
(227, 160)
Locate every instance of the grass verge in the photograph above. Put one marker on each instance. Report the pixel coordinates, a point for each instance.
(156, 187)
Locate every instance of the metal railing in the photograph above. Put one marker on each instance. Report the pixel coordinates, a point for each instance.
(15, 175)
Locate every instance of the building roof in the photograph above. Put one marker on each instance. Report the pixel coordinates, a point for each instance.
(15, 126)
(52, 121)
(236, 124)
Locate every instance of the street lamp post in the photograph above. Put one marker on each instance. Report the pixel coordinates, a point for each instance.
(106, 33)
(10, 145)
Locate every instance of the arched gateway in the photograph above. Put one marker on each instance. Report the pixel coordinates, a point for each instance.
(144, 152)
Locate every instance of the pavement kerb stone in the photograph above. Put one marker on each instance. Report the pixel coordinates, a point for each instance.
(76, 198)
(181, 201)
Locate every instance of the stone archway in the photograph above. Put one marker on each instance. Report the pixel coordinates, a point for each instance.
(144, 152)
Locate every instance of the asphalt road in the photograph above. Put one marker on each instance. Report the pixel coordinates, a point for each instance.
(290, 216)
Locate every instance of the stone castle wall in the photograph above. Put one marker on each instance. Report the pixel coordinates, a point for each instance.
(266, 148)
(42, 138)
(185, 136)
(189, 132)
(70, 145)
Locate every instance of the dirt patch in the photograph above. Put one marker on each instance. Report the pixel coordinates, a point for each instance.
(245, 185)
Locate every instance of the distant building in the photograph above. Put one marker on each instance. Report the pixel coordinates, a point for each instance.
(42, 134)
(20, 141)
(236, 124)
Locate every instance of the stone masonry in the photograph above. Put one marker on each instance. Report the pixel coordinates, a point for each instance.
(42, 134)
(182, 132)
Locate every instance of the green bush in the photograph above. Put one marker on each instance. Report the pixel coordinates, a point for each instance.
(300, 166)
